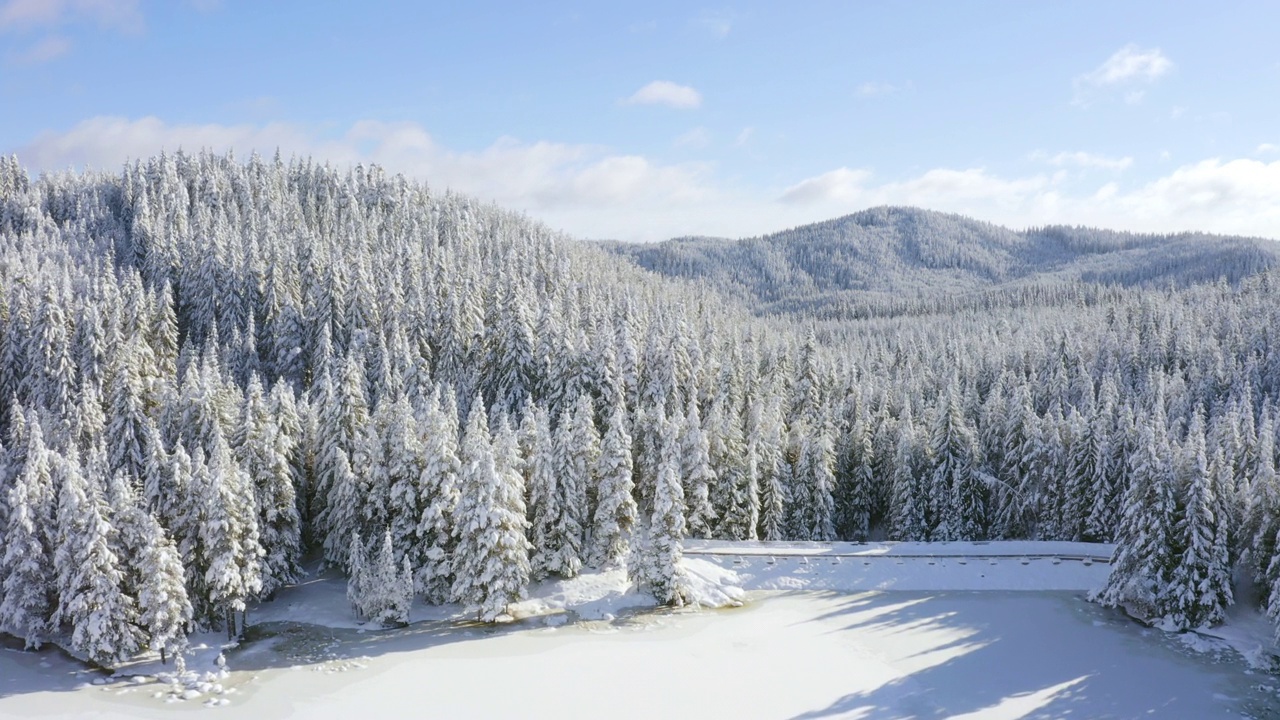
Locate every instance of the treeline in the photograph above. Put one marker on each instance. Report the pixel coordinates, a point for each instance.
(889, 261)
(212, 368)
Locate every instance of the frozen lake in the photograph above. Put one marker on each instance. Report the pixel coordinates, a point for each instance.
(901, 654)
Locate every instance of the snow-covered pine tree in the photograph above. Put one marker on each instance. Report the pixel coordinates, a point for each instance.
(661, 551)
(229, 535)
(1105, 481)
(1083, 454)
(696, 472)
(387, 598)
(1263, 518)
(357, 575)
(1145, 553)
(404, 463)
(26, 563)
(1200, 584)
(103, 619)
(855, 482)
(263, 455)
(439, 487)
(341, 516)
(492, 553)
(164, 610)
(1019, 474)
(736, 495)
(615, 514)
(127, 414)
(910, 497)
(543, 493)
(510, 367)
(957, 490)
(815, 473)
(577, 450)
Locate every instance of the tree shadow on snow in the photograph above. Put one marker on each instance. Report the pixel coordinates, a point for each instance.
(993, 654)
(49, 669)
(285, 644)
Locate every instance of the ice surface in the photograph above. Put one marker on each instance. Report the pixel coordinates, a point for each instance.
(590, 647)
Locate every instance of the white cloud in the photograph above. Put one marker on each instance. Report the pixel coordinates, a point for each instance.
(590, 191)
(719, 24)
(1081, 159)
(1267, 149)
(1130, 63)
(544, 178)
(872, 88)
(1224, 193)
(1221, 196)
(842, 185)
(664, 92)
(1127, 66)
(43, 51)
(123, 15)
(695, 139)
(744, 136)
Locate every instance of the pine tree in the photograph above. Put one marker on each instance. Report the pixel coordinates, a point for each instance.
(26, 568)
(263, 452)
(957, 490)
(696, 472)
(737, 495)
(855, 484)
(577, 449)
(661, 549)
(386, 596)
(766, 443)
(910, 499)
(544, 495)
(103, 619)
(440, 494)
(341, 518)
(815, 476)
(357, 575)
(164, 609)
(404, 463)
(127, 416)
(229, 535)
(615, 514)
(1263, 523)
(1200, 586)
(492, 568)
(1145, 550)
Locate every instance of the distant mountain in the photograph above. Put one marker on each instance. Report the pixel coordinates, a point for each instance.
(896, 260)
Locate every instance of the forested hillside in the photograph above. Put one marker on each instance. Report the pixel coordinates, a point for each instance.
(211, 368)
(891, 261)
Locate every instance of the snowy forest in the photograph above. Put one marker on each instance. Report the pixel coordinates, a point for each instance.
(211, 369)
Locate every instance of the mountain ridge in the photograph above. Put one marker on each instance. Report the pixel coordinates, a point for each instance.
(854, 264)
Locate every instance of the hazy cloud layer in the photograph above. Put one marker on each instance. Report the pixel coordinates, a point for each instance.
(1126, 67)
(30, 14)
(1080, 159)
(664, 92)
(44, 50)
(592, 192)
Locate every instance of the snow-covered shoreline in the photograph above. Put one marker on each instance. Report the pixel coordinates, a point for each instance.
(309, 644)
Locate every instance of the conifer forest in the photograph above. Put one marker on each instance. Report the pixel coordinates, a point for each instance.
(213, 368)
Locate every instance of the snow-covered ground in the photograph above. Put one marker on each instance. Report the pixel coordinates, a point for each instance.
(826, 631)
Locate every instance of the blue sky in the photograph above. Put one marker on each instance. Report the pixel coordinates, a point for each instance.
(642, 121)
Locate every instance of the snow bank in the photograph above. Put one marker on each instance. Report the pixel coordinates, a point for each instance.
(856, 567)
